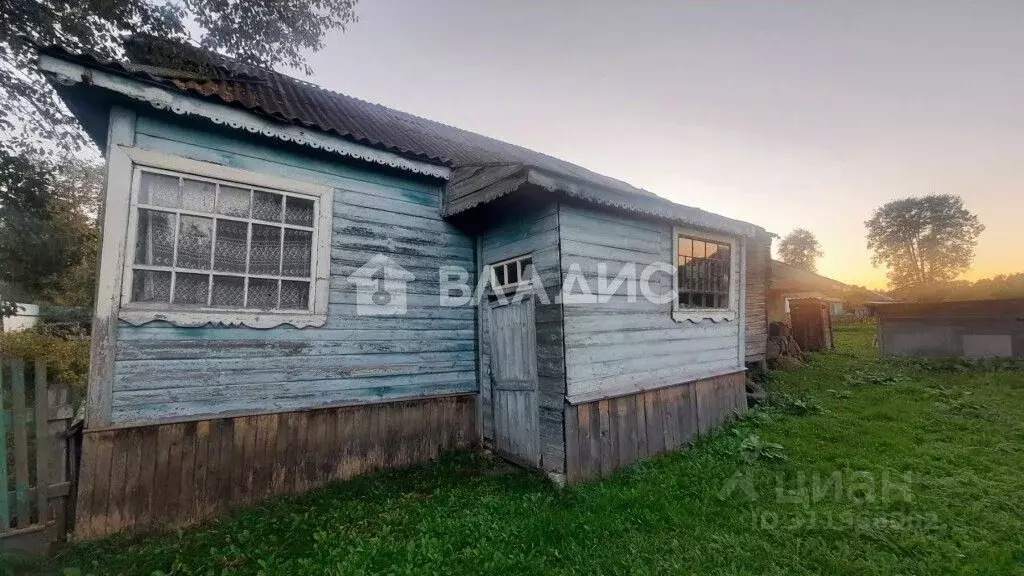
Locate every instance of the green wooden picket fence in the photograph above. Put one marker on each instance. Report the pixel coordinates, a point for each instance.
(35, 458)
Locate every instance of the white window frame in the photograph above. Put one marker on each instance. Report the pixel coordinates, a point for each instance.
(522, 283)
(731, 313)
(139, 313)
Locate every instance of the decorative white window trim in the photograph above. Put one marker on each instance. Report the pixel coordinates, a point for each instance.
(521, 264)
(161, 98)
(697, 315)
(192, 316)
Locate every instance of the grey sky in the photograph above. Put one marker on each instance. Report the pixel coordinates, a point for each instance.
(781, 113)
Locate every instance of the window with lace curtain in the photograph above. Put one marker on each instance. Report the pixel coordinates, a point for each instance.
(205, 245)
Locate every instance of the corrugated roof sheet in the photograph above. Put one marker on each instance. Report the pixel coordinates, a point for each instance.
(269, 93)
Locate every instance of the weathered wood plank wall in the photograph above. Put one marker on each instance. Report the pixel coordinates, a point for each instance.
(607, 435)
(165, 476)
(952, 335)
(535, 233)
(758, 270)
(161, 371)
(617, 346)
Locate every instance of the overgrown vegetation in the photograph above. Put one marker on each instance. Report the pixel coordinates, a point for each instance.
(918, 476)
(67, 358)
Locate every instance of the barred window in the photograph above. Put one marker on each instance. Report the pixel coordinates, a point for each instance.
(704, 273)
(204, 243)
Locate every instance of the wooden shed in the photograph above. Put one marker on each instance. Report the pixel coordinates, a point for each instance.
(969, 328)
(811, 323)
(297, 286)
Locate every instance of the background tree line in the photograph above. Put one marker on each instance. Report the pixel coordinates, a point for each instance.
(925, 244)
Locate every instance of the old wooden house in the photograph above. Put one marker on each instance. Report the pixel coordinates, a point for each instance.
(275, 307)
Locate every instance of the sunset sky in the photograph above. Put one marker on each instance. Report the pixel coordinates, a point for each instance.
(784, 114)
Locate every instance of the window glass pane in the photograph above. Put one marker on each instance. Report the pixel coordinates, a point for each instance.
(294, 295)
(158, 189)
(499, 275)
(299, 211)
(229, 253)
(151, 286)
(228, 291)
(195, 240)
(266, 206)
(685, 246)
(191, 288)
(703, 273)
(684, 299)
(154, 240)
(265, 250)
(298, 253)
(262, 293)
(233, 201)
(198, 195)
(512, 272)
(698, 248)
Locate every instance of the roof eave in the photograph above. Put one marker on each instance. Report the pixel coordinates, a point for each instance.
(474, 186)
(66, 72)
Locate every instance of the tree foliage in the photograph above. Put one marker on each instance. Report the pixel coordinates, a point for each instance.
(49, 237)
(1001, 286)
(261, 32)
(800, 249)
(924, 242)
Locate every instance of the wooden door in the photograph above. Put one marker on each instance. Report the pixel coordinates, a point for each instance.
(513, 339)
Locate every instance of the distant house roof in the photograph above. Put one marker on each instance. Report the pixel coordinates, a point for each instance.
(786, 278)
(1011, 307)
(211, 76)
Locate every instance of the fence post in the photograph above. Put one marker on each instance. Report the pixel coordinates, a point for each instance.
(20, 443)
(42, 448)
(5, 510)
(59, 416)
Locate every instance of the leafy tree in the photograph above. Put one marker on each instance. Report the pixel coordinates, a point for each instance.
(49, 244)
(924, 242)
(49, 236)
(800, 249)
(262, 32)
(1001, 286)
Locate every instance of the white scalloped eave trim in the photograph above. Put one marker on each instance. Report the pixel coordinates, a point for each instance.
(68, 73)
(311, 140)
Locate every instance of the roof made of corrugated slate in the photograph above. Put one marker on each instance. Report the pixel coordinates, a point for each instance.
(212, 76)
(285, 98)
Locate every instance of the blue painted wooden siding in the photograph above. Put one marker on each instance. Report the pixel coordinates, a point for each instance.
(535, 233)
(618, 345)
(162, 371)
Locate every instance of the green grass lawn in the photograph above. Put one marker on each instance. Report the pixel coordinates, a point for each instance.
(861, 466)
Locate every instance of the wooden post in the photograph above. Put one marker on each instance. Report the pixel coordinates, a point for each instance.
(5, 514)
(20, 442)
(42, 445)
(59, 415)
